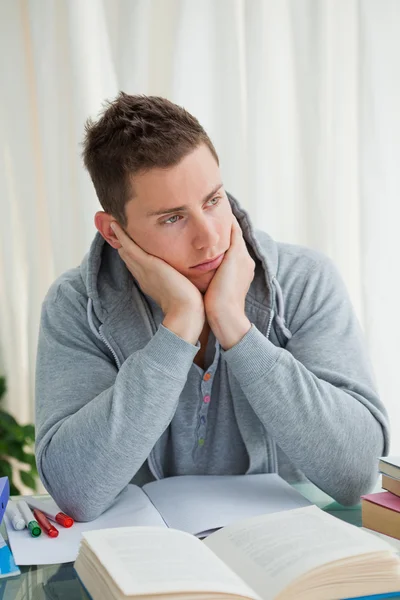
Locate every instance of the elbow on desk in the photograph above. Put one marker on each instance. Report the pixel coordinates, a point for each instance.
(85, 510)
(80, 509)
(83, 513)
(72, 502)
(356, 473)
(348, 498)
(354, 483)
(82, 505)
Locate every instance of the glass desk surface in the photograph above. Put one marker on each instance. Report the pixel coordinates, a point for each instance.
(59, 582)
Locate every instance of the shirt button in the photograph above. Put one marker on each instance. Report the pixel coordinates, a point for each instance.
(207, 376)
(206, 399)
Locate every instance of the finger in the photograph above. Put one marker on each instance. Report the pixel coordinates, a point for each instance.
(236, 232)
(127, 243)
(119, 233)
(236, 226)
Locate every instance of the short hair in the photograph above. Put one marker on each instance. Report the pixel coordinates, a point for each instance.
(132, 135)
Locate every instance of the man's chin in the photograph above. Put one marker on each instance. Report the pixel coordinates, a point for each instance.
(204, 281)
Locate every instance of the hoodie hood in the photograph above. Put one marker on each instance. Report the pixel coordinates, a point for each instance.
(108, 282)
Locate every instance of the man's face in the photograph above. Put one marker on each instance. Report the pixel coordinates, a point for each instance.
(193, 220)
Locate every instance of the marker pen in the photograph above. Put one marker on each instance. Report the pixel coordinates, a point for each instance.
(51, 512)
(30, 522)
(15, 516)
(45, 524)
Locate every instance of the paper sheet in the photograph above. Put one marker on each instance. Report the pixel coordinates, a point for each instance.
(202, 504)
(132, 508)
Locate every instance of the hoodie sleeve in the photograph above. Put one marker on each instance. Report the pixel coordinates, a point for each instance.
(95, 426)
(316, 397)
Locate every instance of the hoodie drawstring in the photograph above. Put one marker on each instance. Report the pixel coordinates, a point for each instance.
(280, 316)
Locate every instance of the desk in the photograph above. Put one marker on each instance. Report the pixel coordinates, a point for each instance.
(59, 582)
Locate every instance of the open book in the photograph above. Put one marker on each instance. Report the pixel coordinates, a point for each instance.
(195, 504)
(299, 554)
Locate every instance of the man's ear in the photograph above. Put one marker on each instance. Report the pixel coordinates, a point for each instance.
(102, 222)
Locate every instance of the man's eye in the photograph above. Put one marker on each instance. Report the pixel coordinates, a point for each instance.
(170, 221)
(174, 219)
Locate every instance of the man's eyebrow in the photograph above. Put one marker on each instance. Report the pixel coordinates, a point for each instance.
(167, 211)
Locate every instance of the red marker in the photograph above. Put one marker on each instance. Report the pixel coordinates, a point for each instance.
(55, 515)
(45, 524)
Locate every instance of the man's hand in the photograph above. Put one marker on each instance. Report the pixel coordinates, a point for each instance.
(225, 296)
(180, 301)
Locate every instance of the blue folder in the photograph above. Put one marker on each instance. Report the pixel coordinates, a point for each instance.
(8, 568)
(4, 495)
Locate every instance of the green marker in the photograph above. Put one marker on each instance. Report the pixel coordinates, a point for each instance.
(29, 519)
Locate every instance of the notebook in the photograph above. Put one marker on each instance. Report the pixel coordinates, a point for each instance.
(299, 554)
(195, 504)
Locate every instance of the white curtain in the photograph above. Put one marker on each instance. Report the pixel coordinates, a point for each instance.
(301, 98)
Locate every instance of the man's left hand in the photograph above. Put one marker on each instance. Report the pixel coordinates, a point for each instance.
(225, 296)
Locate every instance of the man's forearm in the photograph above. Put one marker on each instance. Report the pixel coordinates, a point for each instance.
(333, 436)
(87, 455)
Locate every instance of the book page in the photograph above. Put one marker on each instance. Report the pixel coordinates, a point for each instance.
(152, 560)
(200, 504)
(271, 551)
(390, 540)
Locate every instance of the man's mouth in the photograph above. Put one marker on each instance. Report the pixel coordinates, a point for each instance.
(208, 265)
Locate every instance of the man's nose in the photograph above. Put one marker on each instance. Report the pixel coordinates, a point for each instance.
(205, 234)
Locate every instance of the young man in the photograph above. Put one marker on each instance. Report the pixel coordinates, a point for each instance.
(187, 342)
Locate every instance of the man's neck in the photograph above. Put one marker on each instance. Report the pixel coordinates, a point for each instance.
(204, 334)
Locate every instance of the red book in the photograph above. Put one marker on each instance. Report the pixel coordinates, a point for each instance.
(386, 499)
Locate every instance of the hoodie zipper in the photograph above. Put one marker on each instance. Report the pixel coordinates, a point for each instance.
(111, 349)
(270, 323)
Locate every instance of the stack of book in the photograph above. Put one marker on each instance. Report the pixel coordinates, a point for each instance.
(381, 511)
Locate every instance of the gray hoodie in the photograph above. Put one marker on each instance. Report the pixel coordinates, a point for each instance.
(296, 394)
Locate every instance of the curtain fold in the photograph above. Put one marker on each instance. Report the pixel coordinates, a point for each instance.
(299, 97)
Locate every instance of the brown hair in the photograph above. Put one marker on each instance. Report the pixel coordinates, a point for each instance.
(131, 136)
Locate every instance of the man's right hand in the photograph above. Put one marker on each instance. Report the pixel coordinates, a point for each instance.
(180, 301)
